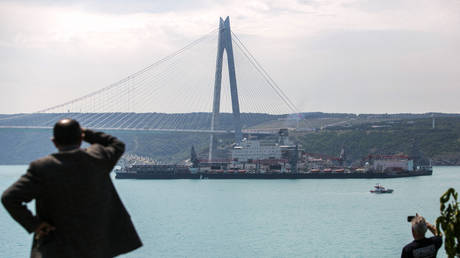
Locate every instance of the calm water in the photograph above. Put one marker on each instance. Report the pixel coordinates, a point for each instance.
(264, 218)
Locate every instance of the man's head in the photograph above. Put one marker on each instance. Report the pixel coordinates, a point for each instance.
(67, 133)
(418, 227)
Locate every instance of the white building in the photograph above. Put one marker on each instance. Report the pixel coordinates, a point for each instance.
(256, 150)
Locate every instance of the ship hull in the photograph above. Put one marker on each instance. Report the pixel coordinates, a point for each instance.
(316, 175)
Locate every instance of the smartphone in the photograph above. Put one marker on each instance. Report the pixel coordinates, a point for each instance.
(410, 218)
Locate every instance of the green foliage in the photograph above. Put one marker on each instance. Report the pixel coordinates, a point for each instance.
(449, 222)
(416, 138)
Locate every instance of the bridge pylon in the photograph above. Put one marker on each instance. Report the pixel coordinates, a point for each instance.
(225, 43)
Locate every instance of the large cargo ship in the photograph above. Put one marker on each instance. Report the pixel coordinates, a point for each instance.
(281, 159)
(312, 168)
(173, 172)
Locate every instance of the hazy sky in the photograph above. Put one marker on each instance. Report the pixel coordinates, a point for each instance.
(358, 56)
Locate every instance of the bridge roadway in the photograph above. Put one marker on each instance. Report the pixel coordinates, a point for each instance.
(245, 131)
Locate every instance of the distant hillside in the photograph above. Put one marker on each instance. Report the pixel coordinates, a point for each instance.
(360, 135)
(20, 146)
(318, 120)
(414, 137)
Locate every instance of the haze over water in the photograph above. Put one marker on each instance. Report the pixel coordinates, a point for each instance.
(264, 218)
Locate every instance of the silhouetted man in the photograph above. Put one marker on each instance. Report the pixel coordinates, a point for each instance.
(78, 211)
(422, 247)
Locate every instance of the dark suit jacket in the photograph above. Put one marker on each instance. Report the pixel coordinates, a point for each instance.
(74, 192)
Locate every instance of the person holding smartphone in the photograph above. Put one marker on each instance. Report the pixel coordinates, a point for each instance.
(422, 246)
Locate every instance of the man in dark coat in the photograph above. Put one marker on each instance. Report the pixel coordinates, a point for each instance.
(78, 211)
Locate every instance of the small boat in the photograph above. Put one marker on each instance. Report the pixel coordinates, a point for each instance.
(378, 188)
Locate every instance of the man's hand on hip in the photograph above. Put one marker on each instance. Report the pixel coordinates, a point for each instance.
(43, 230)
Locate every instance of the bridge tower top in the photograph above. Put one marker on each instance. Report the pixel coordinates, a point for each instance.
(225, 43)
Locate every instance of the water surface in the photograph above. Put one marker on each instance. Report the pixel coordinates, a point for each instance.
(264, 218)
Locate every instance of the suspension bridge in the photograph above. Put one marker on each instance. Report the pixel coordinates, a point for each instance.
(173, 94)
